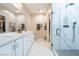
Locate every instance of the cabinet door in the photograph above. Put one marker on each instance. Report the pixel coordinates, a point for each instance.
(26, 45)
(28, 40)
(32, 38)
(7, 50)
(19, 47)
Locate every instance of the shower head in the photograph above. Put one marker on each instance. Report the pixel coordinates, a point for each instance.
(70, 4)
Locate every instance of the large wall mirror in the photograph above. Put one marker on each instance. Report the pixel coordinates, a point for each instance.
(2, 23)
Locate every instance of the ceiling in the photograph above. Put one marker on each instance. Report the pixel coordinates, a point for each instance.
(36, 8)
(32, 8)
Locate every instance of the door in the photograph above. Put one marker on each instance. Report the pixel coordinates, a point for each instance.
(55, 27)
(19, 47)
(28, 40)
(26, 45)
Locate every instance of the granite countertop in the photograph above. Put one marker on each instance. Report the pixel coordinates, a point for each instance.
(6, 38)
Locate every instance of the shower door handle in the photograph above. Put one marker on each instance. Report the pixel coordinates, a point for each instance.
(58, 31)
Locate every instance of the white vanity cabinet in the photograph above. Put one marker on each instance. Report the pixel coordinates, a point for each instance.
(14, 48)
(7, 50)
(19, 47)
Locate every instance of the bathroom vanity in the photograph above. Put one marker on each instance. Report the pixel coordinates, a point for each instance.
(15, 44)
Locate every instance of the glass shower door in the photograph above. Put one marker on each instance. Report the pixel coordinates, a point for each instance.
(55, 27)
(66, 29)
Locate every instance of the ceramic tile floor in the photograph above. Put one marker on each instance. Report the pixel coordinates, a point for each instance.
(40, 48)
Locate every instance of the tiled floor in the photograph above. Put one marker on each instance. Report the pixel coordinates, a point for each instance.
(40, 48)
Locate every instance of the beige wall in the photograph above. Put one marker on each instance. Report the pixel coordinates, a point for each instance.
(41, 19)
(38, 19)
(28, 19)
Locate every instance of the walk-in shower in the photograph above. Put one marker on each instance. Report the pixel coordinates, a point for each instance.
(65, 29)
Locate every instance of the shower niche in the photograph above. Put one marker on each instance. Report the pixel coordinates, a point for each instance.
(65, 22)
